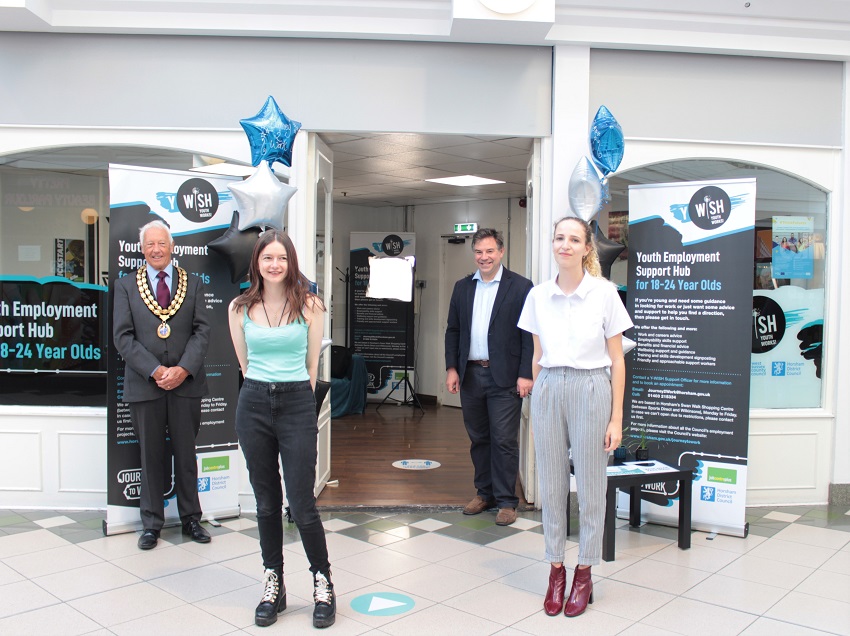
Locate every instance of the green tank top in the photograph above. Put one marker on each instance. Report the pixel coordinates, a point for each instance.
(276, 354)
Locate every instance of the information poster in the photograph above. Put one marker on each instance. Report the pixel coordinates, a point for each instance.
(688, 379)
(198, 209)
(381, 329)
(793, 254)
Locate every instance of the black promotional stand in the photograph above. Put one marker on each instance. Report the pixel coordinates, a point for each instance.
(409, 399)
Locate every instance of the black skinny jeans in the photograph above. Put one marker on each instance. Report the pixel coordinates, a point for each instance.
(279, 419)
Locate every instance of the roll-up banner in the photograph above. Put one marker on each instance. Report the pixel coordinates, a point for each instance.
(197, 208)
(688, 380)
(381, 329)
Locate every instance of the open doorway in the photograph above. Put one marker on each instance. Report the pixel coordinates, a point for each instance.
(380, 186)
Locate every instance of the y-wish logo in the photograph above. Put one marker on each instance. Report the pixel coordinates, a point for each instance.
(392, 245)
(777, 368)
(709, 208)
(203, 484)
(768, 324)
(706, 493)
(197, 200)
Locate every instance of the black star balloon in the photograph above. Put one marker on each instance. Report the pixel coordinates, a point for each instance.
(236, 248)
(607, 249)
(271, 134)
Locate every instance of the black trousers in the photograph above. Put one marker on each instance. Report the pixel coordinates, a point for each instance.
(491, 415)
(180, 419)
(276, 425)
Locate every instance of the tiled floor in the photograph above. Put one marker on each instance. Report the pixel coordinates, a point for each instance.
(456, 574)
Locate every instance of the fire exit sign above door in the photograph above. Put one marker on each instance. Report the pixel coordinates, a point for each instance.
(466, 228)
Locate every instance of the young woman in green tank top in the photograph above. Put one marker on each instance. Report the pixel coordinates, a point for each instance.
(276, 327)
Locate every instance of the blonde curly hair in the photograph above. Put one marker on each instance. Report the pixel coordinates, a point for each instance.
(590, 261)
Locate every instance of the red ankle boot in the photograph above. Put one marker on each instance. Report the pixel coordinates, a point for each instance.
(581, 593)
(555, 594)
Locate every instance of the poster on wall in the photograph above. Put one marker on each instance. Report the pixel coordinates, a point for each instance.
(69, 259)
(197, 208)
(688, 379)
(381, 329)
(787, 333)
(793, 254)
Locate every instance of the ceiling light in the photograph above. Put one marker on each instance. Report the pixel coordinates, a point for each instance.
(464, 181)
(89, 216)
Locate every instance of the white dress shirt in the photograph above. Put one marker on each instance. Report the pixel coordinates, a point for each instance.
(573, 329)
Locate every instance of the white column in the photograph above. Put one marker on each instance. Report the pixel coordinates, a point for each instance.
(562, 151)
(301, 212)
(838, 240)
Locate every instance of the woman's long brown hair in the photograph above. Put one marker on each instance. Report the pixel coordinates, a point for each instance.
(296, 286)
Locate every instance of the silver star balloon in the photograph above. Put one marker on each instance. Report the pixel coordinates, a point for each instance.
(261, 199)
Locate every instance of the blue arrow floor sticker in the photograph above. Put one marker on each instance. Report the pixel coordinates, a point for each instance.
(382, 604)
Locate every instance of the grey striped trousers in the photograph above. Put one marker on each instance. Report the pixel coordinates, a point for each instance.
(571, 409)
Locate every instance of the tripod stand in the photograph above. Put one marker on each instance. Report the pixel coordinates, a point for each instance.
(409, 400)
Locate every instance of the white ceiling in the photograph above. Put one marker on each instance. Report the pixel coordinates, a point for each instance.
(376, 170)
(391, 169)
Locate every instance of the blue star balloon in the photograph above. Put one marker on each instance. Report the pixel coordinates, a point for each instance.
(271, 134)
(606, 141)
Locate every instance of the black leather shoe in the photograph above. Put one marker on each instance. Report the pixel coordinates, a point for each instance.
(194, 530)
(274, 598)
(324, 610)
(148, 539)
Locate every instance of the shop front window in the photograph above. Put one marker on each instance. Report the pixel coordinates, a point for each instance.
(788, 272)
(54, 225)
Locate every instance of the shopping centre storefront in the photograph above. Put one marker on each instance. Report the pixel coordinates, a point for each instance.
(686, 117)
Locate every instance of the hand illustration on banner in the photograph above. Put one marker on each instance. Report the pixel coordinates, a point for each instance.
(236, 247)
(271, 134)
(261, 199)
(607, 249)
(585, 190)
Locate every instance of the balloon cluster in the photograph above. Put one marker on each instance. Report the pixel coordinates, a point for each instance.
(261, 199)
(588, 192)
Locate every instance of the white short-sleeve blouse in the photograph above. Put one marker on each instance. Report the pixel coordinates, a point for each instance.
(573, 330)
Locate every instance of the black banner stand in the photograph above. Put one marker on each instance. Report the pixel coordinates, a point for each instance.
(409, 400)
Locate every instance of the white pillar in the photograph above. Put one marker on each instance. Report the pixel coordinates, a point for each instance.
(838, 240)
(567, 144)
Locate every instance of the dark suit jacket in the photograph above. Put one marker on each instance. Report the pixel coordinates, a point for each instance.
(511, 348)
(134, 336)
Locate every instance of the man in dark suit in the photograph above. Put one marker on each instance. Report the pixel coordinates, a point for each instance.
(161, 328)
(488, 358)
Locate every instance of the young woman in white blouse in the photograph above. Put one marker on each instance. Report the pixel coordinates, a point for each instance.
(577, 321)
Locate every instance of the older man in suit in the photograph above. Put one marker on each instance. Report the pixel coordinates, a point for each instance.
(488, 358)
(161, 328)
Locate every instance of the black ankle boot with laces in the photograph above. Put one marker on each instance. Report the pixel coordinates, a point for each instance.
(324, 613)
(274, 598)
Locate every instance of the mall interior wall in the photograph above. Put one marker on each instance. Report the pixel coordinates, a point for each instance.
(327, 85)
(190, 93)
(787, 114)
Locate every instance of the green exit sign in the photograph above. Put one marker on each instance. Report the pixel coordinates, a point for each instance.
(465, 228)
